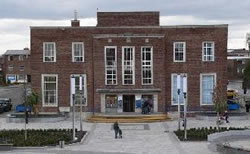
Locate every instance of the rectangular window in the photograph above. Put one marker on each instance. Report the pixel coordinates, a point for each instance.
(77, 52)
(49, 89)
(179, 51)
(110, 65)
(21, 68)
(208, 82)
(174, 93)
(128, 70)
(147, 65)
(49, 52)
(21, 77)
(77, 89)
(21, 57)
(11, 67)
(208, 51)
(10, 58)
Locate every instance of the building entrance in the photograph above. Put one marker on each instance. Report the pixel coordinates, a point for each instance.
(128, 103)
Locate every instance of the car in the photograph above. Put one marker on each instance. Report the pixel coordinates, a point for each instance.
(6, 104)
(21, 108)
(1, 109)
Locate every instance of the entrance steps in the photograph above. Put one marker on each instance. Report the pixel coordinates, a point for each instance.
(128, 118)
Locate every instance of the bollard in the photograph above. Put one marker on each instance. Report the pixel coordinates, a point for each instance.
(61, 144)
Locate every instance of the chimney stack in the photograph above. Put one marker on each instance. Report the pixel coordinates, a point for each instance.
(75, 22)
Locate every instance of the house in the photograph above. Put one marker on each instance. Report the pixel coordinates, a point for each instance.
(126, 59)
(16, 65)
(237, 60)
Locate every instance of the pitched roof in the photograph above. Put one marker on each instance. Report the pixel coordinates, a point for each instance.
(17, 52)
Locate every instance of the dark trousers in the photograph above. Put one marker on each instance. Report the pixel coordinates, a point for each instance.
(116, 132)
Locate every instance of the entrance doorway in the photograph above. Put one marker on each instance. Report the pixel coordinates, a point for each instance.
(128, 103)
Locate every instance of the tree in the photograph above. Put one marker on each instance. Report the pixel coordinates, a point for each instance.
(246, 78)
(220, 102)
(32, 100)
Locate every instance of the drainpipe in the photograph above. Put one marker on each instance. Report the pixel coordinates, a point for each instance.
(93, 77)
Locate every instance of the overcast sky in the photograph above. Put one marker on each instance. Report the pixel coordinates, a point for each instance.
(16, 16)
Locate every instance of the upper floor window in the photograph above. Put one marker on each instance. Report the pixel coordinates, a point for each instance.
(49, 52)
(77, 52)
(21, 68)
(110, 65)
(21, 57)
(128, 68)
(10, 58)
(208, 51)
(147, 65)
(11, 67)
(179, 51)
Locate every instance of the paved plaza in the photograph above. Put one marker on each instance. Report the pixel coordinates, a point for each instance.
(147, 138)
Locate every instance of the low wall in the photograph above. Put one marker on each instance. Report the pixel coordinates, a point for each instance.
(218, 140)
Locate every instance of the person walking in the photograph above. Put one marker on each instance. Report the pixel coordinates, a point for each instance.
(116, 129)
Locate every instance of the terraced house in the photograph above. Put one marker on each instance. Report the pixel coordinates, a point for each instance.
(127, 58)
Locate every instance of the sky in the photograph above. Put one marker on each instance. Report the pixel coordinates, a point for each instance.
(16, 16)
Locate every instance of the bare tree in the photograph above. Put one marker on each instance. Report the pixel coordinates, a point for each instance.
(220, 102)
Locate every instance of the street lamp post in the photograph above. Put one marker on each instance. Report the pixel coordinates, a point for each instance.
(185, 105)
(178, 99)
(73, 105)
(81, 92)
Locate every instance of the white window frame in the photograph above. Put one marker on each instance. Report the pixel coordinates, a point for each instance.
(184, 51)
(172, 88)
(215, 82)
(11, 66)
(21, 67)
(73, 53)
(133, 65)
(43, 101)
(151, 65)
(113, 68)
(21, 57)
(213, 51)
(85, 88)
(44, 44)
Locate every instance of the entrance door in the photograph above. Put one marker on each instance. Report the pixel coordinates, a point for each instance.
(128, 103)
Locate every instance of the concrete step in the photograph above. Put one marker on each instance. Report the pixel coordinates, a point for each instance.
(129, 118)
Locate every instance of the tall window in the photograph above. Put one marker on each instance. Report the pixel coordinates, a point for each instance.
(49, 89)
(147, 65)
(77, 89)
(110, 66)
(208, 51)
(21, 57)
(174, 90)
(207, 88)
(10, 58)
(179, 51)
(49, 52)
(77, 52)
(11, 67)
(128, 65)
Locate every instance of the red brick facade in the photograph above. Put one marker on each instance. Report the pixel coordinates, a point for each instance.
(20, 66)
(140, 29)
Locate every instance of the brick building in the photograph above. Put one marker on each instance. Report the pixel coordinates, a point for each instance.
(126, 59)
(16, 66)
(237, 60)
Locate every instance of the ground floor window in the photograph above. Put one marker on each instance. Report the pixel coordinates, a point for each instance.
(207, 88)
(11, 78)
(77, 89)
(49, 89)
(174, 94)
(111, 101)
(21, 77)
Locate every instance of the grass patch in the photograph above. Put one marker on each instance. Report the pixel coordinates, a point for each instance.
(200, 134)
(48, 137)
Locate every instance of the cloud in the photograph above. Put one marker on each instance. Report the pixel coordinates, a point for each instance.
(15, 33)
